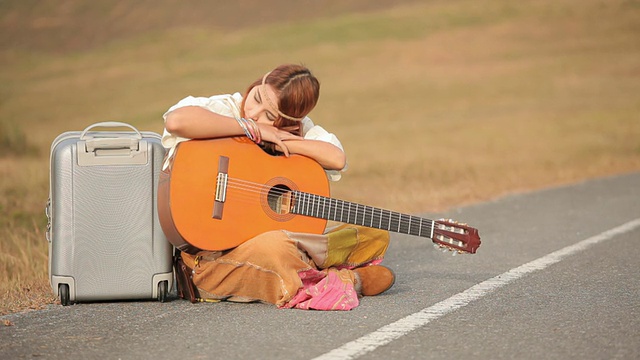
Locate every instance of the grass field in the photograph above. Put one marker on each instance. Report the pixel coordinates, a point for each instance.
(438, 103)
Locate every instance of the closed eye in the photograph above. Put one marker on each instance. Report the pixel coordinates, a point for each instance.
(258, 99)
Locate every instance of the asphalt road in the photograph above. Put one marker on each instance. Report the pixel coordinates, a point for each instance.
(555, 278)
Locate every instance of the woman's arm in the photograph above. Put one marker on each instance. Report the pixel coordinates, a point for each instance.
(326, 154)
(195, 122)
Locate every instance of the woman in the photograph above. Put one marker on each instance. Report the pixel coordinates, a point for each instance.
(292, 270)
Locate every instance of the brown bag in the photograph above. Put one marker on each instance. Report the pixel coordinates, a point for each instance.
(186, 288)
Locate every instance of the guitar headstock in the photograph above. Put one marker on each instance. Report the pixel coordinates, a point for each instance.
(454, 236)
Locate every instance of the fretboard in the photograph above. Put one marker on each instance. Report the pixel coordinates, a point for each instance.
(357, 214)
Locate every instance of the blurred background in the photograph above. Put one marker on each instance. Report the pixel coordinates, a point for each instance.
(438, 103)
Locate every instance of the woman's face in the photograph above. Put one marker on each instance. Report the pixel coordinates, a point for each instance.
(257, 106)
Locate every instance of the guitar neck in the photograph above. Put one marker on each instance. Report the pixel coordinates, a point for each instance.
(357, 214)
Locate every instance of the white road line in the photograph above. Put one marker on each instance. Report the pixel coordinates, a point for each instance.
(388, 333)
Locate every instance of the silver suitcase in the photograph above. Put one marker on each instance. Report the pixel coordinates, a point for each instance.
(105, 240)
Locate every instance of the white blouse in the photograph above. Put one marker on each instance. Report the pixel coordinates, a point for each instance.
(229, 105)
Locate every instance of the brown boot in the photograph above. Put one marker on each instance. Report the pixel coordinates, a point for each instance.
(374, 280)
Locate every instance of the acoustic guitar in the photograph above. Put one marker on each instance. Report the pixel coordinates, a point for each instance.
(215, 194)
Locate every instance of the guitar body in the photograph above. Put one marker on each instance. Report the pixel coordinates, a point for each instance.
(216, 194)
(200, 209)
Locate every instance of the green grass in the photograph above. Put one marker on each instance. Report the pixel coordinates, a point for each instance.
(438, 104)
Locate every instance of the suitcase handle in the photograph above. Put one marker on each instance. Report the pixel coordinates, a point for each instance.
(110, 124)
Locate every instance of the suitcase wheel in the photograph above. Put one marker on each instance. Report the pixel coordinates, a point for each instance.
(63, 291)
(162, 291)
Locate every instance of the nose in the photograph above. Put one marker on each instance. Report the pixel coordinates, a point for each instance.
(256, 112)
(249, 112)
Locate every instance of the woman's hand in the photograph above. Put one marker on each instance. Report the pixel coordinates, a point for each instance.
(326, 154)
(277, 136)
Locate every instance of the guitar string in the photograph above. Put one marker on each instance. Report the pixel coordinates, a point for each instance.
(423, 229)
(259, 188)
(419, 228)
(248, 188)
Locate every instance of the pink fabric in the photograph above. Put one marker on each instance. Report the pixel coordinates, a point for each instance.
(324, 290)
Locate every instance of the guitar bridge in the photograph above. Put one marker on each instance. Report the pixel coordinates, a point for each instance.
(221, 187)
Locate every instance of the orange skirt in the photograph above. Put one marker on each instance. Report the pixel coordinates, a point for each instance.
(291, 270)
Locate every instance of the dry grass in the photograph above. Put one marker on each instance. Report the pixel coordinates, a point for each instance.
(437, 104)
(23, 247)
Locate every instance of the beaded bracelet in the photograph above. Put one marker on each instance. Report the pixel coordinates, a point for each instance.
(255, 131)
(244, 127)
(250, 129)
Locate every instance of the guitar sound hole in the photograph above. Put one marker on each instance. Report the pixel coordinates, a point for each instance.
(279, 199)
